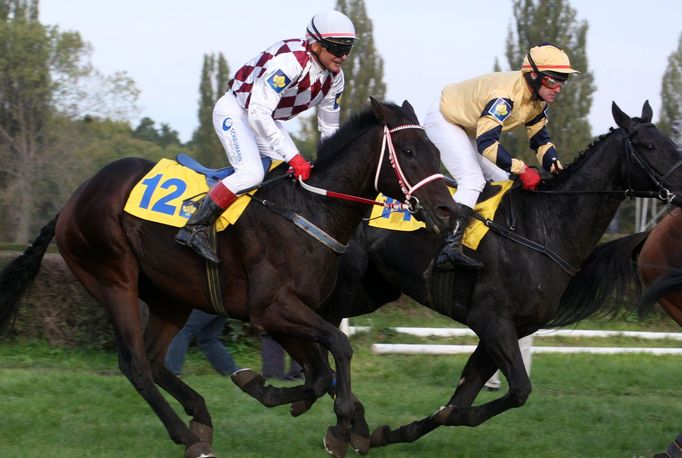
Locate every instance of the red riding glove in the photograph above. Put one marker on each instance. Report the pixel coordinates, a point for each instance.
(530, 178)
(300, 166)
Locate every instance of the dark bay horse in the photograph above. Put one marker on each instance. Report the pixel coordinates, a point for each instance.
(519, 289)
(273, 273)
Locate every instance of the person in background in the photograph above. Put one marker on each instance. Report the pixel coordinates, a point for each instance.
(274, 361)
(466, 123)
(206, 328)
(286, 79)
(526, 347)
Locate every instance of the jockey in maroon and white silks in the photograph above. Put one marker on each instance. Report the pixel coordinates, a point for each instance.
(276, 85)
(279, 83)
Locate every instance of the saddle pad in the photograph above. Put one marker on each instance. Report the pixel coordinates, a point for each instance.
(164, 196)
(401, 220)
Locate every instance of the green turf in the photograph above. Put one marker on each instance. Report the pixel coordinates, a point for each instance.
(66, 403)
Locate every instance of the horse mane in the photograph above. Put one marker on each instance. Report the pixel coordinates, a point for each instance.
(358, 124)
(569, 169)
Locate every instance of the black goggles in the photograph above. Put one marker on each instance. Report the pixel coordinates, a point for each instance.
(337, 49)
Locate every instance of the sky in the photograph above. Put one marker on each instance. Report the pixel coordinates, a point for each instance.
(425, 45)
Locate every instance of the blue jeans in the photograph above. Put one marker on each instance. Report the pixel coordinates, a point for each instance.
(206, 328)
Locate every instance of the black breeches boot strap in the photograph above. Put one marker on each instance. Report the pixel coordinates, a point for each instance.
(451, 255)
(195, 234)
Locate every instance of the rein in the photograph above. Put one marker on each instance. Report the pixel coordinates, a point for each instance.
(411, 203)
(511, 235)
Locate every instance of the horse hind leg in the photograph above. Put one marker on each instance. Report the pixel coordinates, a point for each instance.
(318, 379)
(674, 450)
(165, 320)
(122, 306)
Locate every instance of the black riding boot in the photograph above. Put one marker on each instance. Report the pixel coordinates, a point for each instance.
(195, 233)
(451, 255)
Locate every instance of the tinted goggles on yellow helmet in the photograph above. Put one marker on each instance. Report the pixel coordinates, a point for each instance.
(551, 82)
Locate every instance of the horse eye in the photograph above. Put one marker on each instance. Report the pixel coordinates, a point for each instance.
(650, 147)
(407, 149)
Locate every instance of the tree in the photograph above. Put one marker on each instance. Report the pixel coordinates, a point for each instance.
(214, 77)
(39, 68)
(671, 92)
(164, 136)
(364, 68)
(554, 21)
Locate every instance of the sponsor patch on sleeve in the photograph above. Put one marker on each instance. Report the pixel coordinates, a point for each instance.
(337, 100)
(500, 109)
(278, 81)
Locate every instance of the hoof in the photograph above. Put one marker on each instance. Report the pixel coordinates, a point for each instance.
(441, 417)
(359, 443)
(333, 445)
(200, 450)
(202, 431)
(244, 377)
(300, 407)
(379, 436)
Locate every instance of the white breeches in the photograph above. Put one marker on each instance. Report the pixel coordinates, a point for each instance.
(459, 155)
(243, 148)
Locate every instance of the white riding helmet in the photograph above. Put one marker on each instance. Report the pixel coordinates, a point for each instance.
(330, 26)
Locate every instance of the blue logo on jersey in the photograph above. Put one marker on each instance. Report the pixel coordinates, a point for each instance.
(337, 100)
(227, 123)
(500, 110)
(278, 81)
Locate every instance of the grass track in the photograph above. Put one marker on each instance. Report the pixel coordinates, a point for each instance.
(67, 403)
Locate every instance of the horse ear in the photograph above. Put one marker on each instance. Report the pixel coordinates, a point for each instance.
(647, 112)
(407, 106)
(379, 110)
(622, 120)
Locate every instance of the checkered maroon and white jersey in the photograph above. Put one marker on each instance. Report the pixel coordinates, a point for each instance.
(287, 80)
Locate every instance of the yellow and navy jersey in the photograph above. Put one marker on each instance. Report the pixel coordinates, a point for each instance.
(494, 103)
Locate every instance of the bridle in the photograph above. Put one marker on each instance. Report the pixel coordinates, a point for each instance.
(632, 155)
(632, 158)
(411, 203)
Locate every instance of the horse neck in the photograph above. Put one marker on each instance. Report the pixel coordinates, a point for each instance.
(351, 172)
(580, 220)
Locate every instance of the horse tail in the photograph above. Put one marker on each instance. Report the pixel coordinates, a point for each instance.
(669, 283)
(18, 275)
(606, 279)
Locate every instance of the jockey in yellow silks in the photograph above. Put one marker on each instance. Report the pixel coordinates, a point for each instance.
(466, 122)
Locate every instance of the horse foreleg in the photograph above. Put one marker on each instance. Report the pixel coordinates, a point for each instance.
(292, 318)
(318, 379)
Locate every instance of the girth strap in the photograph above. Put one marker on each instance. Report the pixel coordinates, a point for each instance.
(561, 262)
(215, 290)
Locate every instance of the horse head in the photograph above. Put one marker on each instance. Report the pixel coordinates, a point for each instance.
(652, 160)
(410, 169)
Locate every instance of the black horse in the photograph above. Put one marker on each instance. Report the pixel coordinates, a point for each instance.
(273, 273)
(519, 289)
